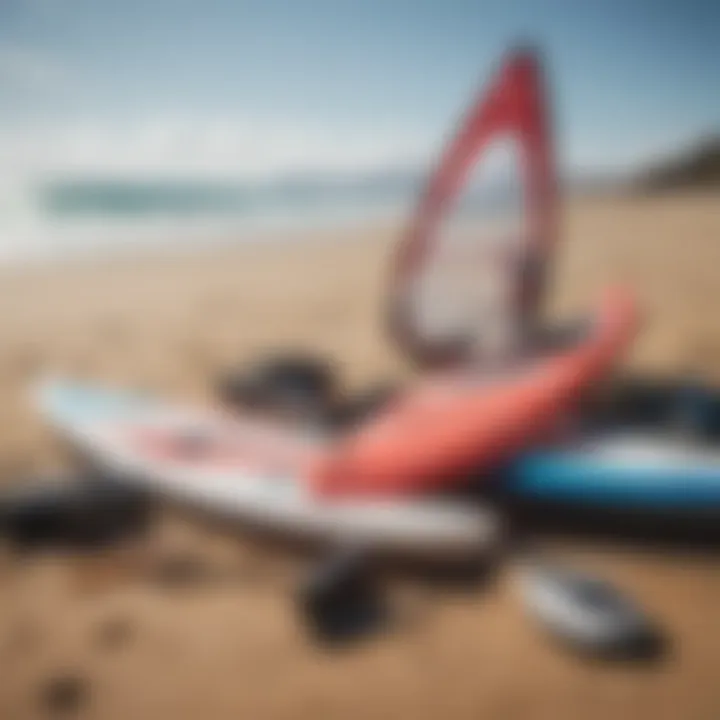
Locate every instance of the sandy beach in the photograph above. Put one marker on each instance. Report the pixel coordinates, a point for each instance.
(231, 647)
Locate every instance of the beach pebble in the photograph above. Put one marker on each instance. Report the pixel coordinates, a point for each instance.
(64, 694)
(113, 633)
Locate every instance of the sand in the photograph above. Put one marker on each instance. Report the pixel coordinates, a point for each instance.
(227, 643)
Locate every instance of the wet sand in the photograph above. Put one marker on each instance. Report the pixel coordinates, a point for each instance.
(226, 643)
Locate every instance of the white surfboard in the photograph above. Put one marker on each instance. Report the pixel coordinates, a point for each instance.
(241, 468)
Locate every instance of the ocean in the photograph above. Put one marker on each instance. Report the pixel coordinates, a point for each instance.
(63, 218)
(70, 217)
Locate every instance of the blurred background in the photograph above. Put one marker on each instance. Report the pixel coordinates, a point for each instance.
(136, 123)
(185, 185)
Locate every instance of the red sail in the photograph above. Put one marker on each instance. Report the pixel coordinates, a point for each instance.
(514, 109)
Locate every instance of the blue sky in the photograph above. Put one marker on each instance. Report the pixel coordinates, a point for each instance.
(233, 86)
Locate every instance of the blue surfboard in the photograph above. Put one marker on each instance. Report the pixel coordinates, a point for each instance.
(621, 470)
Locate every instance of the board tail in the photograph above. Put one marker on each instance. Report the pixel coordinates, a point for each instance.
(449, 294)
